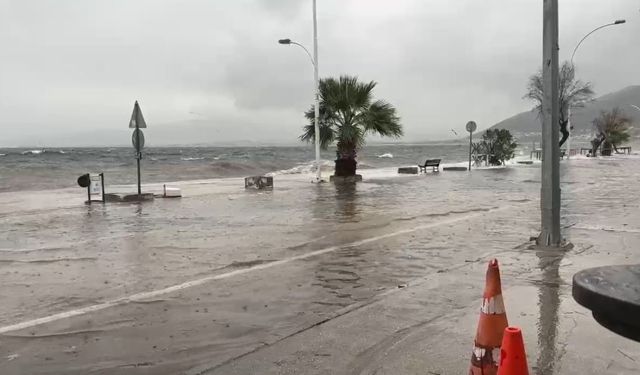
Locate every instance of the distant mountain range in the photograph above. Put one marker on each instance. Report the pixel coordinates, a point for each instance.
(527, 125)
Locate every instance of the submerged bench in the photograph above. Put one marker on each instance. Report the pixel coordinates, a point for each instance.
(434, 164)
(408, 170)
(457, 169)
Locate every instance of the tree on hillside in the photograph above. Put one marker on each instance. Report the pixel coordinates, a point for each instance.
(612, 130)
(572, 92)
(499, 144)
(348, 112)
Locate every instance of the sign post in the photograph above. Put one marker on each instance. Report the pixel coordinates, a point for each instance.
(137, 139)
(471, 127)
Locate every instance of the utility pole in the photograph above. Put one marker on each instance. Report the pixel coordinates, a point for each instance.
(316, 79)
(550, 193)
(316, 85)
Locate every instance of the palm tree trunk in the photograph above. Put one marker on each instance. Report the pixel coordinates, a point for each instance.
(345, 161)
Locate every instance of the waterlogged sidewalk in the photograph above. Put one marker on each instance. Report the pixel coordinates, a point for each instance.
(428, 326)
(383, 282)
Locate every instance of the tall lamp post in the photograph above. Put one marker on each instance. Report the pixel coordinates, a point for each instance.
(616, 22)
(314, 61)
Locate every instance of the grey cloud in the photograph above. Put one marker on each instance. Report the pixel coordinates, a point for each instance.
(69, 66)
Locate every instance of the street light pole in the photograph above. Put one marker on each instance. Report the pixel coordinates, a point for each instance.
(616, 22)
(550, 192)
(316, 83)
(316, 120)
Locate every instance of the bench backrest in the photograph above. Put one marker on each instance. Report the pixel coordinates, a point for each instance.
(432, 163)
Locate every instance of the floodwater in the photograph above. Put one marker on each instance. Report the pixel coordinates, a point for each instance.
(383, 276)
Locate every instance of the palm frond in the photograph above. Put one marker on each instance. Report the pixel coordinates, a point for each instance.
(348, 112)
(381, 119)
(327, 134)
(351, 135)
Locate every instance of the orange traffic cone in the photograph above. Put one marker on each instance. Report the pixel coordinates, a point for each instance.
(513, 359)
(493, 321)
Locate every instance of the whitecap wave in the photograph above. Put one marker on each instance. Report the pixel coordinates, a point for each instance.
(387, 156)
(306, 168)
(33, 152)
(191, 159)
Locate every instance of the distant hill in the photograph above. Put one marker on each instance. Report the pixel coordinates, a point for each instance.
(527, 125)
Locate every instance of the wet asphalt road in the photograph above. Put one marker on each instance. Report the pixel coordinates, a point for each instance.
(383, 277)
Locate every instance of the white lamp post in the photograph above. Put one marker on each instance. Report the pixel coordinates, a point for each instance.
(314, 61)
(617, 22)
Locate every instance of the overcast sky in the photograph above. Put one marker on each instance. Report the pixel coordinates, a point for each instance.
(211, 71)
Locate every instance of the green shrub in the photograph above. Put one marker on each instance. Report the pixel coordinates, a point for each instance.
(499, 144)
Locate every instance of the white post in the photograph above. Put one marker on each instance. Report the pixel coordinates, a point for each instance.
(569, 130)
(317, 89)
(550, 192)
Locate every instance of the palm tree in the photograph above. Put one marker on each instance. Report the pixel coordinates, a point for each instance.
(348, 113)
(613, 129)
(572, 93)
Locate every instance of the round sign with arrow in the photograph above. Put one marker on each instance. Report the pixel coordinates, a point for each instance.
(138, 140)
(471, 126)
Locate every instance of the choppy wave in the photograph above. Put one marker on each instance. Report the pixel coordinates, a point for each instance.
(364, 165)
(238, 168)
(305, 168)
(192, 159)
(33, 152)
(42, 151)
(37, 168)
(387, 155)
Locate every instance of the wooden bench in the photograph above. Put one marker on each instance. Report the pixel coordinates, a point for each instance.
(536, 154)
(434, 164)
(625, 149)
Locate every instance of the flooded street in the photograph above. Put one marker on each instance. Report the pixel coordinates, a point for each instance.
(382, 277)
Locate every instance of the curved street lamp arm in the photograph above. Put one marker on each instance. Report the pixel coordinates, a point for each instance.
(306, 50)
(585, 37)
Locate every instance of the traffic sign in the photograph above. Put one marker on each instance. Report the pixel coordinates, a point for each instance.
(471, 126)
(137, 120)
(137, 139)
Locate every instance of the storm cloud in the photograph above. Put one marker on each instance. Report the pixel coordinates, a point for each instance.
(212, 72)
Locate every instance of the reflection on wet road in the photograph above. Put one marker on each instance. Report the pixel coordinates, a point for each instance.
(202, 282)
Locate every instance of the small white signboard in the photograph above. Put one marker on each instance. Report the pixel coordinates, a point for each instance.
(95, 189)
